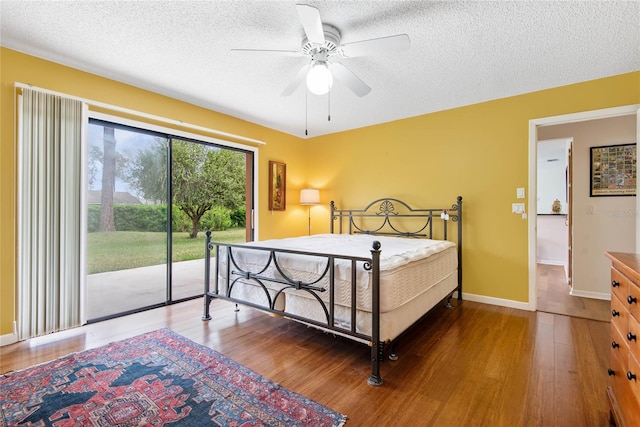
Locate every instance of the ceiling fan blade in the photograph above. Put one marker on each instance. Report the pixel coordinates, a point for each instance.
(295, 82)
(347, 77)
(267, 52)
(311, 22)
(370, 47)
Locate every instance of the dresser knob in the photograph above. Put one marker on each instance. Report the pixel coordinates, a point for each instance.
(615, 313)
(611, 372)
(632, 300)
(615, 283)
(631, 337)
(615, 344)
(631, 376)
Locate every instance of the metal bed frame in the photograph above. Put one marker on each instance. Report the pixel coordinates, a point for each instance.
(388, 214)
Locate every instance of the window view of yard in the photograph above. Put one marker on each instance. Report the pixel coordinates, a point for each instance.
(130, 173)
(122, 250)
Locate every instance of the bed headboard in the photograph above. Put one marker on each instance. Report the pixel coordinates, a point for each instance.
(394, 217)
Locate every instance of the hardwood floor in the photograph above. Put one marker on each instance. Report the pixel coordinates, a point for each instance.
(476, 365)
(554, 297)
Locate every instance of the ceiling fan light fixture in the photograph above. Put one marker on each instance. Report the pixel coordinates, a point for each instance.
(319, 78)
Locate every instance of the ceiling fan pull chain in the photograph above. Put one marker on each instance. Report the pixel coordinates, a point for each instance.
(306, 111)
(329, 106)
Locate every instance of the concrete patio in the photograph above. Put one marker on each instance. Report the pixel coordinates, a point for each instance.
(124, 290)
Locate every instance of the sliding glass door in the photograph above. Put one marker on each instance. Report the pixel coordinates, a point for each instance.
(127, 220)
(208, 190)
(151, 198)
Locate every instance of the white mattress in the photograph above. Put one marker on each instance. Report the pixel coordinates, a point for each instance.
(244, 289)
(392, 323)
(409, 268)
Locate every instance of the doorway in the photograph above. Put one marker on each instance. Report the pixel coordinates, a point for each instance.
(554, 227)
(573, 123)
(554, 207)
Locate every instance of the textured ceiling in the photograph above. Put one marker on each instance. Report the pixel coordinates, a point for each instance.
(461, 52)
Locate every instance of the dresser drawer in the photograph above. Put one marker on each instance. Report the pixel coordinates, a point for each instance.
(619, 314)
(619, 284)
(619, 348)
(632, 336)
(618, 369)
(633, 300)
(624, 391)
(634, 384)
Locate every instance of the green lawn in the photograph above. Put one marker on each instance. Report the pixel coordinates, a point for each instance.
(121, 250)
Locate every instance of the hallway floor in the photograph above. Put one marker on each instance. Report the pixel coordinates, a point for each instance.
(554, 297)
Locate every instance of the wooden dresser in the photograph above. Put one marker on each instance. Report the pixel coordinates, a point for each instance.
(624, 369)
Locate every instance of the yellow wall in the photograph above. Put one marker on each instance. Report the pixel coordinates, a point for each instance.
(479, 152)
(17, 67)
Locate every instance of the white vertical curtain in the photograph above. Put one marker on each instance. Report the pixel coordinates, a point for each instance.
(49, 213)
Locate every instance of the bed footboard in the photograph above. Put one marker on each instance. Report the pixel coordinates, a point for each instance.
(268, 281)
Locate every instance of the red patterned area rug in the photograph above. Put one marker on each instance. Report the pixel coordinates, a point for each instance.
(155, 379)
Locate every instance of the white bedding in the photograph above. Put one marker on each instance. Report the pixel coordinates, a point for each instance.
(395, 251)
(408, 268)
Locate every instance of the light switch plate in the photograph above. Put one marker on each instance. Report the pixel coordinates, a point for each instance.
(517, 208)
(520, 193)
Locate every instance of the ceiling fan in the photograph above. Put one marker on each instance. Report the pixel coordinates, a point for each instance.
(322, 45)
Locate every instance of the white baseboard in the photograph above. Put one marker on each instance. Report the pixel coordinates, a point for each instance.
(8, 339)
(551, 262)
(589, 294)
(497, 301)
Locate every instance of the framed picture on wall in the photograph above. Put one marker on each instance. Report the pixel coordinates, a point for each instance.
(277, 186)
(613, 170)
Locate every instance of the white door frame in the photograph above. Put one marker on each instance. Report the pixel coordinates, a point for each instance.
(533, 176)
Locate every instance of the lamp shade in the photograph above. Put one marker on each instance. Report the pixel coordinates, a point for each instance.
(309, 196)
(319, 78)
